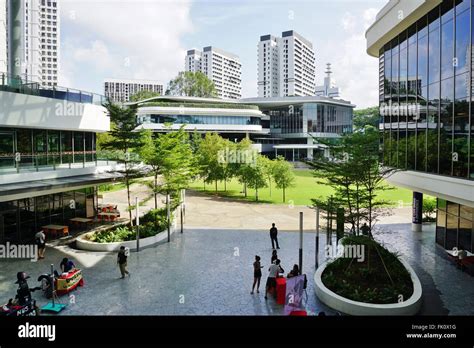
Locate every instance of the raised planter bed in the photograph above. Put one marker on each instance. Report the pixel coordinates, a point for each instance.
(83, 243)
(409, 307)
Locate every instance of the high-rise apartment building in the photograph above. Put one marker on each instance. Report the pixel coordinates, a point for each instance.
(50, 41)
(221, 67)
(3, 36)
(120, 90)
(36, 37)
(286, 66)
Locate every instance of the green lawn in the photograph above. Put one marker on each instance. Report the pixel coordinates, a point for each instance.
(305, 189)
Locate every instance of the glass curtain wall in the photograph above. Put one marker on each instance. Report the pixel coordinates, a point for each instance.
(425, 79)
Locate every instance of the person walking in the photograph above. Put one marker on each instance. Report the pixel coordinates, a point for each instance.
(257, 274)
(40, 239)
(274, 257)
(274, 272)
(274, 236)
(122, 262)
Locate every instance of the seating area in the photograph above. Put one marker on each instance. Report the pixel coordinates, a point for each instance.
(464, 260)
(106, 213)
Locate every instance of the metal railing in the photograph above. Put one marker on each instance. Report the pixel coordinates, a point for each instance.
(9, 83)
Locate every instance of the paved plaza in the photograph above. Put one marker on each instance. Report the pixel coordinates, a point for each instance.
(208, 269)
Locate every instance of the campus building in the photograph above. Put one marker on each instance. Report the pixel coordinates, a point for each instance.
(425, 55)
(120, 90)
(296, 123)
(49, 170)
(34, 41)
(287, 126)
(221, 67)
(286, 66)
(229, 118)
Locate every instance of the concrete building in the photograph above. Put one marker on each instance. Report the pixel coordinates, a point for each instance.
(284, 126)
(221, 67)
(286, 66)
(34, 40)
(120, 90)
(3, 36)
(427, 126)
(50, 42)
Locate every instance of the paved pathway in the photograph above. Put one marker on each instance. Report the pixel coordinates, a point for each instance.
(209, 270)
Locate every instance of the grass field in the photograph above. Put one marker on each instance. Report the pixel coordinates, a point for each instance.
(306, 188)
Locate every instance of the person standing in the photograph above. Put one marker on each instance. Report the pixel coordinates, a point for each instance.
(274, 272)
(274, 257)
(40, 239)
(257, 274)
(122, 262)
(274, 236)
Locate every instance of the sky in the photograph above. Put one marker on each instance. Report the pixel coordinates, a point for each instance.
(148, 39)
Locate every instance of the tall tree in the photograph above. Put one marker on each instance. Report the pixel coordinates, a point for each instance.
(355, 175)
(127, 143)
(192, 84)
(169, 155)
(283, 175)
(366, 117)
(211, 170)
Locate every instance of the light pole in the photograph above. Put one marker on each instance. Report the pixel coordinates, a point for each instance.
(137, 219)
(317, 239)
(301, 243)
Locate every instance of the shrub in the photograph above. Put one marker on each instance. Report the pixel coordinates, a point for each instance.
(368, 281)
(429, 208)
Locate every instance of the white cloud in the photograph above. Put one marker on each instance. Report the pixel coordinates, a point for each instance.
(355, 71)
(122, 39)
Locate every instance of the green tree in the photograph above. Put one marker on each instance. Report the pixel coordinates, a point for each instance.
(169, 155)
(192, 84)
(268, 168)
(127, 142)
(211, 169)
(283, 175)
(142, 95)
(355, 175)
(366, 117)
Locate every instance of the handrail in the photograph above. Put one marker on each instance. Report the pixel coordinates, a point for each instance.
(16, 84)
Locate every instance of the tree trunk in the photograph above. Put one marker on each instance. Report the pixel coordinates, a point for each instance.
(256, 193)
(127, 183)
(245, 190)
(216, 186)
(225, 185)
(270, 186)
(284, 195)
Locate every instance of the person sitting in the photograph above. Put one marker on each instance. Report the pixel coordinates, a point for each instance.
(294, 272)
(66, 265)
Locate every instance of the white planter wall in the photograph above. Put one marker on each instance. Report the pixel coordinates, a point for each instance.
(83, 244)
(409, 307)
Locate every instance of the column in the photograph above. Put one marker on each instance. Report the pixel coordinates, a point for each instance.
(417, 212)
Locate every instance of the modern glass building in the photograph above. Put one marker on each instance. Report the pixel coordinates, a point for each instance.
(425, 95)
(227, 117)
(295, 123)
(49, 170)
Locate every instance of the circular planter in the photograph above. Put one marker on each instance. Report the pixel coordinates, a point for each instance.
(409, 307)
(83, 243)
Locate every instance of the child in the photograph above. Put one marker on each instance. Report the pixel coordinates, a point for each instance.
(257, 274)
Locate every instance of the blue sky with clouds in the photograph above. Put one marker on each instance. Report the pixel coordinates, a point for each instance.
(147, 39)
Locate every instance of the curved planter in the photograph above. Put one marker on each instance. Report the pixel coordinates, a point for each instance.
(409, 307)
(83, 244)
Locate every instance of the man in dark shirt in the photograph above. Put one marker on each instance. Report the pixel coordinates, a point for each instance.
(274, 236)
(122, 262)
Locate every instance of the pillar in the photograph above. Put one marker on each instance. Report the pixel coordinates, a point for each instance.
(15, 29)
(417, 212)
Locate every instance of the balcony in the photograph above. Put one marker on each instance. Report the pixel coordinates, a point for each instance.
(18, 85)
